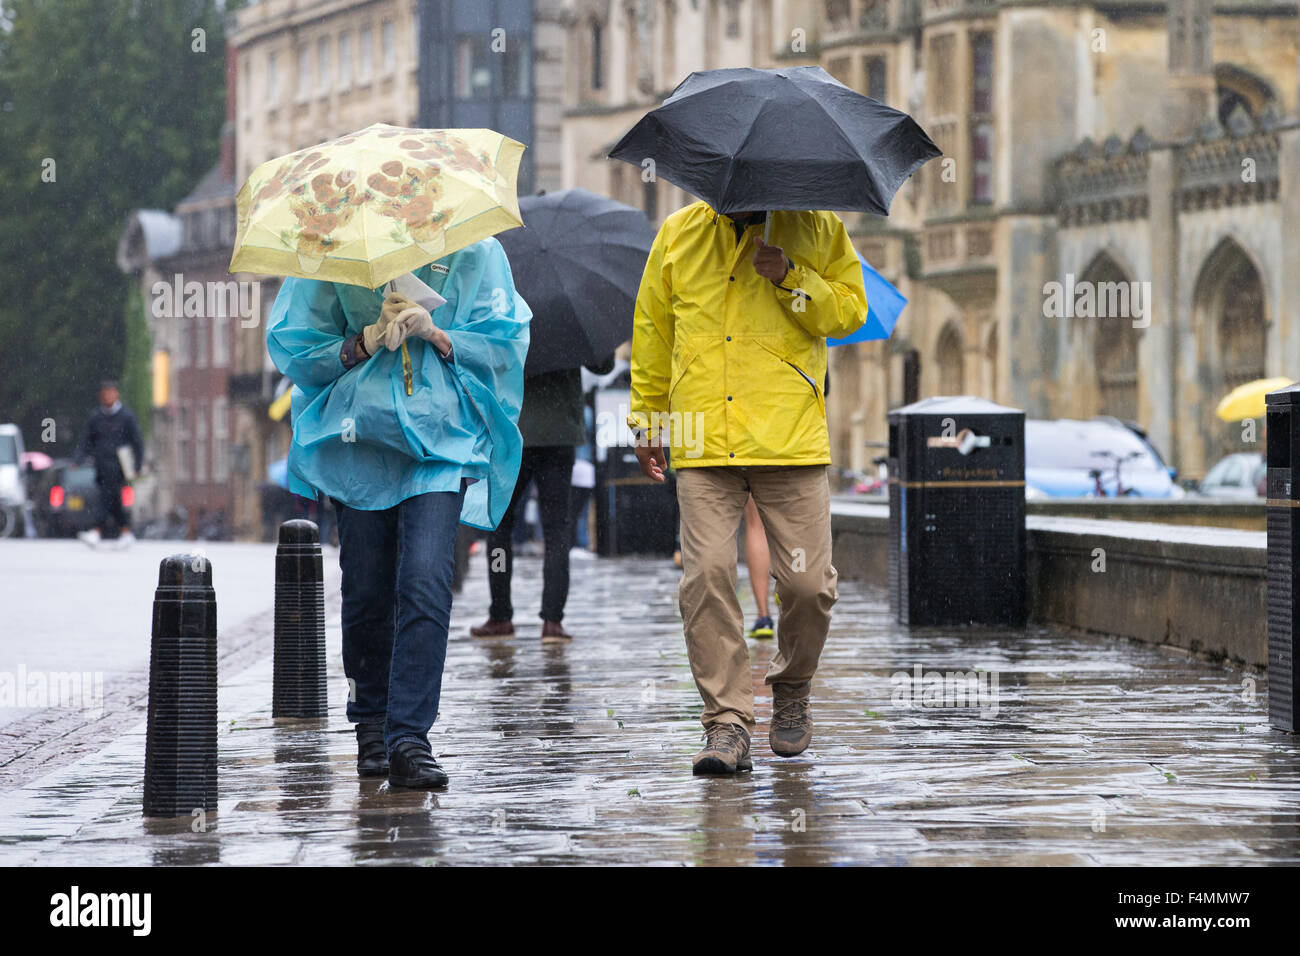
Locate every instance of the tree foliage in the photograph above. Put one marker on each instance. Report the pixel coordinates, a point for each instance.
(105, 107)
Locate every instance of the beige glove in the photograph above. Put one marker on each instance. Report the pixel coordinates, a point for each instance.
(418, 322)
(387, 332)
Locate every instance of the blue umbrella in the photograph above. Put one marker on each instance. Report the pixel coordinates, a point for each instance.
(884, 306)
(277, 472)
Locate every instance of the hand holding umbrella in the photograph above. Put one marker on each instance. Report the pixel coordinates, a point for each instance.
(770, 261)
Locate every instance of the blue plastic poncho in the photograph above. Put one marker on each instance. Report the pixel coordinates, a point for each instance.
(357, 435)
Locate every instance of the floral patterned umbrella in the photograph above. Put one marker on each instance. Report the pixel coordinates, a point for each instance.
(373, 205)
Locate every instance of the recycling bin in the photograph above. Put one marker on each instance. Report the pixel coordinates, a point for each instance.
(1282, 415)
(957, 512)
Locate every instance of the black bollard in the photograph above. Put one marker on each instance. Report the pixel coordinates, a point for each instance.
(180, 757)
(299, 688)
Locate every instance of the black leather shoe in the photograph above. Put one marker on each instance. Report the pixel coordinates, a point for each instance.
(414, 767)
(372, 754)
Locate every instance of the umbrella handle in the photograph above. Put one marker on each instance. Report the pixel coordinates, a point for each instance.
(767, 227)
(408, 374)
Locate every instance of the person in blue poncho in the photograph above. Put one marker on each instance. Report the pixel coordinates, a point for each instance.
(403, 470)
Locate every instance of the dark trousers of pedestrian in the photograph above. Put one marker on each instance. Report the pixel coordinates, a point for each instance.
(110, 504)
(551, 467)
(397, 569)
(578, 501)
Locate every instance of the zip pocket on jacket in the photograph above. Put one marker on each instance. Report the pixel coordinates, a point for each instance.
(821, 402)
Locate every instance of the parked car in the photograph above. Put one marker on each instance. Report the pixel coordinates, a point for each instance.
(1067, 458)
(1239, 475)
(67, 499)
(13, 482)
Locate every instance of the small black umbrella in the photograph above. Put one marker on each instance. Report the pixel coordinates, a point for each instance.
(748, 139)
(577, 262)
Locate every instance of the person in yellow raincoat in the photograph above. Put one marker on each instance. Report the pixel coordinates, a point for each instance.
(728, 361)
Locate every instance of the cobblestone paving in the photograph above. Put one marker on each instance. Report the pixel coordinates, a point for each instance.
(1093, 751)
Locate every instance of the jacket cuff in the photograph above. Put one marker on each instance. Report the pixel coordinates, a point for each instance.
(644, 427)
(353, 352)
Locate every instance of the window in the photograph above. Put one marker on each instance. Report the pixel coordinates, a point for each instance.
(650, 199)
(877, 83)
(981, 118)
(515, 71)
(873, 15)
(415, 35)
(389, 55)
(345, 60)
(597, 56)
(220, 440)
(839, 68)
(367, 43)
(304, 73)
(221, 341)
(183, 444)
(323, 63)
(200, 442)
(272, 77)
(837, 14)
(473, 69)
(669, 58)
(200, 343)
(940, 67)
(733, 18)
(184, 342)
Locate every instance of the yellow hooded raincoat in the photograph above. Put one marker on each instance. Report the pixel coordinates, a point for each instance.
(728, 363)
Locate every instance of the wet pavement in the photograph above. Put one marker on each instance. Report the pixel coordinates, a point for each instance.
(1070, 749)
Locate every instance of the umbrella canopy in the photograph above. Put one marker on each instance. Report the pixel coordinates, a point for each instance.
(1247, 401)
(373, 205)
(578, 263)
(749, 139)
(37, 460)
(884, 305)
(277, 472)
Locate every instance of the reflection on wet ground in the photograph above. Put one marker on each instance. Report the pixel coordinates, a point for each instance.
(1071, 750)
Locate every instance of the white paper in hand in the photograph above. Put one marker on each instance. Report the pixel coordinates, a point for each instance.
(417, 291)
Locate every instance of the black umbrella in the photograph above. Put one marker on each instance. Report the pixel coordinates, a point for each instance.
(577, 262)
(747, 139)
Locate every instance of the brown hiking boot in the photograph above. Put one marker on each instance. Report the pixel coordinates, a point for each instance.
(791, 727)
(553, 632)
(493, 628)
(726, 750)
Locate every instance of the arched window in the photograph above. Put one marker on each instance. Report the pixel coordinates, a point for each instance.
(1114, 339)
(948, 360)
(1231, 332)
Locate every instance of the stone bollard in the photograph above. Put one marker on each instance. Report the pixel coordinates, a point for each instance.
(180, 758)
(299, 686)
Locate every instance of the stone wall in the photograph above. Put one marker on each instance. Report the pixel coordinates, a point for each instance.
(1201, 589)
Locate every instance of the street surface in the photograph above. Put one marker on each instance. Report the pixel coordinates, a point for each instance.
(1085, 750)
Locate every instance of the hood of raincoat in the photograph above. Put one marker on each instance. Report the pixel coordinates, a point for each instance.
(729, 363)
(357, 435)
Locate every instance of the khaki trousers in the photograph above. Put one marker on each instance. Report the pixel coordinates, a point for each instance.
(794, 503)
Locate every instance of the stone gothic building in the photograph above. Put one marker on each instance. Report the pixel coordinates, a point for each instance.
(1085, 144)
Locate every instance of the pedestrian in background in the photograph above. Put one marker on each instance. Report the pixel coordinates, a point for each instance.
(111, 441)
(404, 470)
(552, 425)
(730, 344)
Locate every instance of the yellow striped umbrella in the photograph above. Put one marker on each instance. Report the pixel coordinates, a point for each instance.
(373, 205)
(1247, 401)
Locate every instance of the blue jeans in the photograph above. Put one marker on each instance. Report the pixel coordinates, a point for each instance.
(397, 569)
